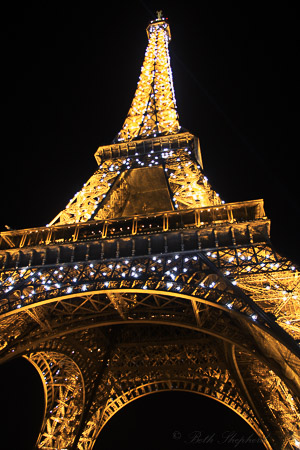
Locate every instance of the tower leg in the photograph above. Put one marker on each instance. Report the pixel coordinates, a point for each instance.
(64, 399)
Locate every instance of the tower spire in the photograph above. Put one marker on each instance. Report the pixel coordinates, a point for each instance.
(153, 110)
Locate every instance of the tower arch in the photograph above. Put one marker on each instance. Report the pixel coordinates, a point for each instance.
(174, 387)
(64, 394)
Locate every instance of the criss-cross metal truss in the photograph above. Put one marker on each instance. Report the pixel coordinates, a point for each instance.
(173, 164)
(63, 311)
(64, 395)
(153, 109)
(148, 282)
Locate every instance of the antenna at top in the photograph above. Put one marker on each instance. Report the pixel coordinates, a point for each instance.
(159, 15)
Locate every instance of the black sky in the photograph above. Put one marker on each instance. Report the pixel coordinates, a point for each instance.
(69, 72)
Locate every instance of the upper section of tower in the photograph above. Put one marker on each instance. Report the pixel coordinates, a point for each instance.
(153, 110)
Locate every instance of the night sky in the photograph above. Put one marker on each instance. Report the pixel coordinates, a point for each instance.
(69, 73)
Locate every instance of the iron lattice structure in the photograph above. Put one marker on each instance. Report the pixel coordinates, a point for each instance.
(147, 281)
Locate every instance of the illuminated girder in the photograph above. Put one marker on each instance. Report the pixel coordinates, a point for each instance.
(64, 398)
(107, 192)
(279, 294)
(85, 202)
(153, 109)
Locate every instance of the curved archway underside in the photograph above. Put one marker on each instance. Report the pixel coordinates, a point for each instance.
(113, 365)
(124, 337)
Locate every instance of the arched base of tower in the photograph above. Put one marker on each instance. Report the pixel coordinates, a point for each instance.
(90, 375)
(177, 419)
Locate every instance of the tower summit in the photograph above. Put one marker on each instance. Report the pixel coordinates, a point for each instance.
(148, 281)
(153, 110)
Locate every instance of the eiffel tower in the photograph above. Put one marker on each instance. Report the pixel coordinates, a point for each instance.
(147, 281)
